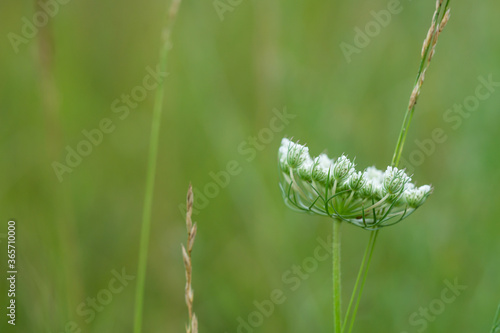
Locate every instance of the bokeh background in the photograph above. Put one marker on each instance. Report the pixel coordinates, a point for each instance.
(225, 78)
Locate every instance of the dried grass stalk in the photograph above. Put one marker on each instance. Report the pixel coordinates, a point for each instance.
(429, 47)
(192, 326)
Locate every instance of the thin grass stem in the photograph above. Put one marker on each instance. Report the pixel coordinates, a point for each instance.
(151, 171)
(365, 274)
(361, 269)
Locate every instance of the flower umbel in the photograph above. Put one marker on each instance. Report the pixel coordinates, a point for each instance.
(370, 199)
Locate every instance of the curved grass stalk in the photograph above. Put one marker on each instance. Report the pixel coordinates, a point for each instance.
(439, 21)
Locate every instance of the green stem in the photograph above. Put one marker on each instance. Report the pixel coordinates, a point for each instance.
(360, 272)
(151, 172)
(365, 274)
(336, 277)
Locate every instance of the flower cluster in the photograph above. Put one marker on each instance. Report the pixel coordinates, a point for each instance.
(369, 199)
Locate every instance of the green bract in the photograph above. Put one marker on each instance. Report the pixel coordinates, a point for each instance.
(371, 199)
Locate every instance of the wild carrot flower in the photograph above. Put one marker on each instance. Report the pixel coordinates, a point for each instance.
(370, 199)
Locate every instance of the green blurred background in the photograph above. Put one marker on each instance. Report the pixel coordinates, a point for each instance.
(225, 78)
